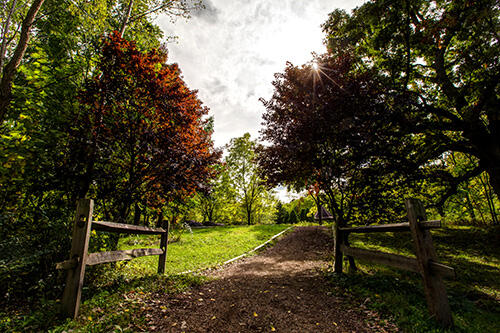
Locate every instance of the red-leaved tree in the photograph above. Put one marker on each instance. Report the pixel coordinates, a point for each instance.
(312, 123)
(142, 136)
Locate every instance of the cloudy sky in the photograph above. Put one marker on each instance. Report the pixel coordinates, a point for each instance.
(230, 51)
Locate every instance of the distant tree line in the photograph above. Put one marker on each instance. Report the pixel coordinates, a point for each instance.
(299, 210)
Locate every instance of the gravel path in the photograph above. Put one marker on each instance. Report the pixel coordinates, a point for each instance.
(281, 289)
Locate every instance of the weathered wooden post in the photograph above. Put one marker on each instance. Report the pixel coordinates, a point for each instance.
(337, 252)
(79, 247)
(435, 291)
(162, 260)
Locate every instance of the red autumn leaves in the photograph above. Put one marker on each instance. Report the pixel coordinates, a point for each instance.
(147, 134)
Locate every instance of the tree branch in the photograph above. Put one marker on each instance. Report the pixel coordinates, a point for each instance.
(5, 32)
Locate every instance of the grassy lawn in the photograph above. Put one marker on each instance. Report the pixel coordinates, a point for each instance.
(200, 249)
(115, 295)
(474, 296)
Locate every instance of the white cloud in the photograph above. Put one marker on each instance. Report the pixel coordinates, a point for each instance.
(285, 195)
(230, 51)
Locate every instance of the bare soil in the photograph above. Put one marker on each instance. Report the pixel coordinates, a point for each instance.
(282, 289)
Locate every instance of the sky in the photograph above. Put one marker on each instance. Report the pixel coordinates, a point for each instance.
(231, 50)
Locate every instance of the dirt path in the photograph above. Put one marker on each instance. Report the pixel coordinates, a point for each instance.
(279, 290)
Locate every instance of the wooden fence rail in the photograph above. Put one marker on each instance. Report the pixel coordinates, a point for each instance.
(425, 262)
(80, 258)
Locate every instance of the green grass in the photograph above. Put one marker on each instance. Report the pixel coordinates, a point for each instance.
(200, 249)
(474, 295)
(116, 295)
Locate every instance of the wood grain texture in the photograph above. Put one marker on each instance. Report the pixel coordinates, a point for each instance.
(435, 291)
(112, 256)
(395, 227)
(79, 247)
(162, 260)
(125, 228)
(397, 261)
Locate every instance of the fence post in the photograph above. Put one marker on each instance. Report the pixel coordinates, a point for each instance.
(337, 253)
(435, 291)
(162, 260)
(352, 265)
(79, 246)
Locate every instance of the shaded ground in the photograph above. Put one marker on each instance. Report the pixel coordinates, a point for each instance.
(281, 289)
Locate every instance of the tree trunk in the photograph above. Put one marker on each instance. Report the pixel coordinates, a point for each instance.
(159, 220)
(5, 32)
(320, 213)
(489, 197)
(489, 159)
(249, 217)
(352, 264)
(137, 214)
(494, 173)
(470, 208)
(11, 67)
(126, 18)
(318, 208)
(211, 215)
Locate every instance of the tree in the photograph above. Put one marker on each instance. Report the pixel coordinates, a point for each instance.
(241, 163)
(303, 214)
(440, 59)
(59, 57)
(312, 124)
(293, 218)
(314, 193)
(213, 200)
(145, 128)
(281, 213)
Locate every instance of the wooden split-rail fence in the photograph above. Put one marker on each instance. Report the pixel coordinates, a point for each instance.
(80, 258)
(425, 263)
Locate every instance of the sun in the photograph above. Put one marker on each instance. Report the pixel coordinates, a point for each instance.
(315, 66)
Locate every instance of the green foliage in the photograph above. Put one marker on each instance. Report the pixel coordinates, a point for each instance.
(292, 217)
(218, 202)
(439, 61)
(303, 214)
(474, 202)
(302, 207)
(38, 189)
(281, 214)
